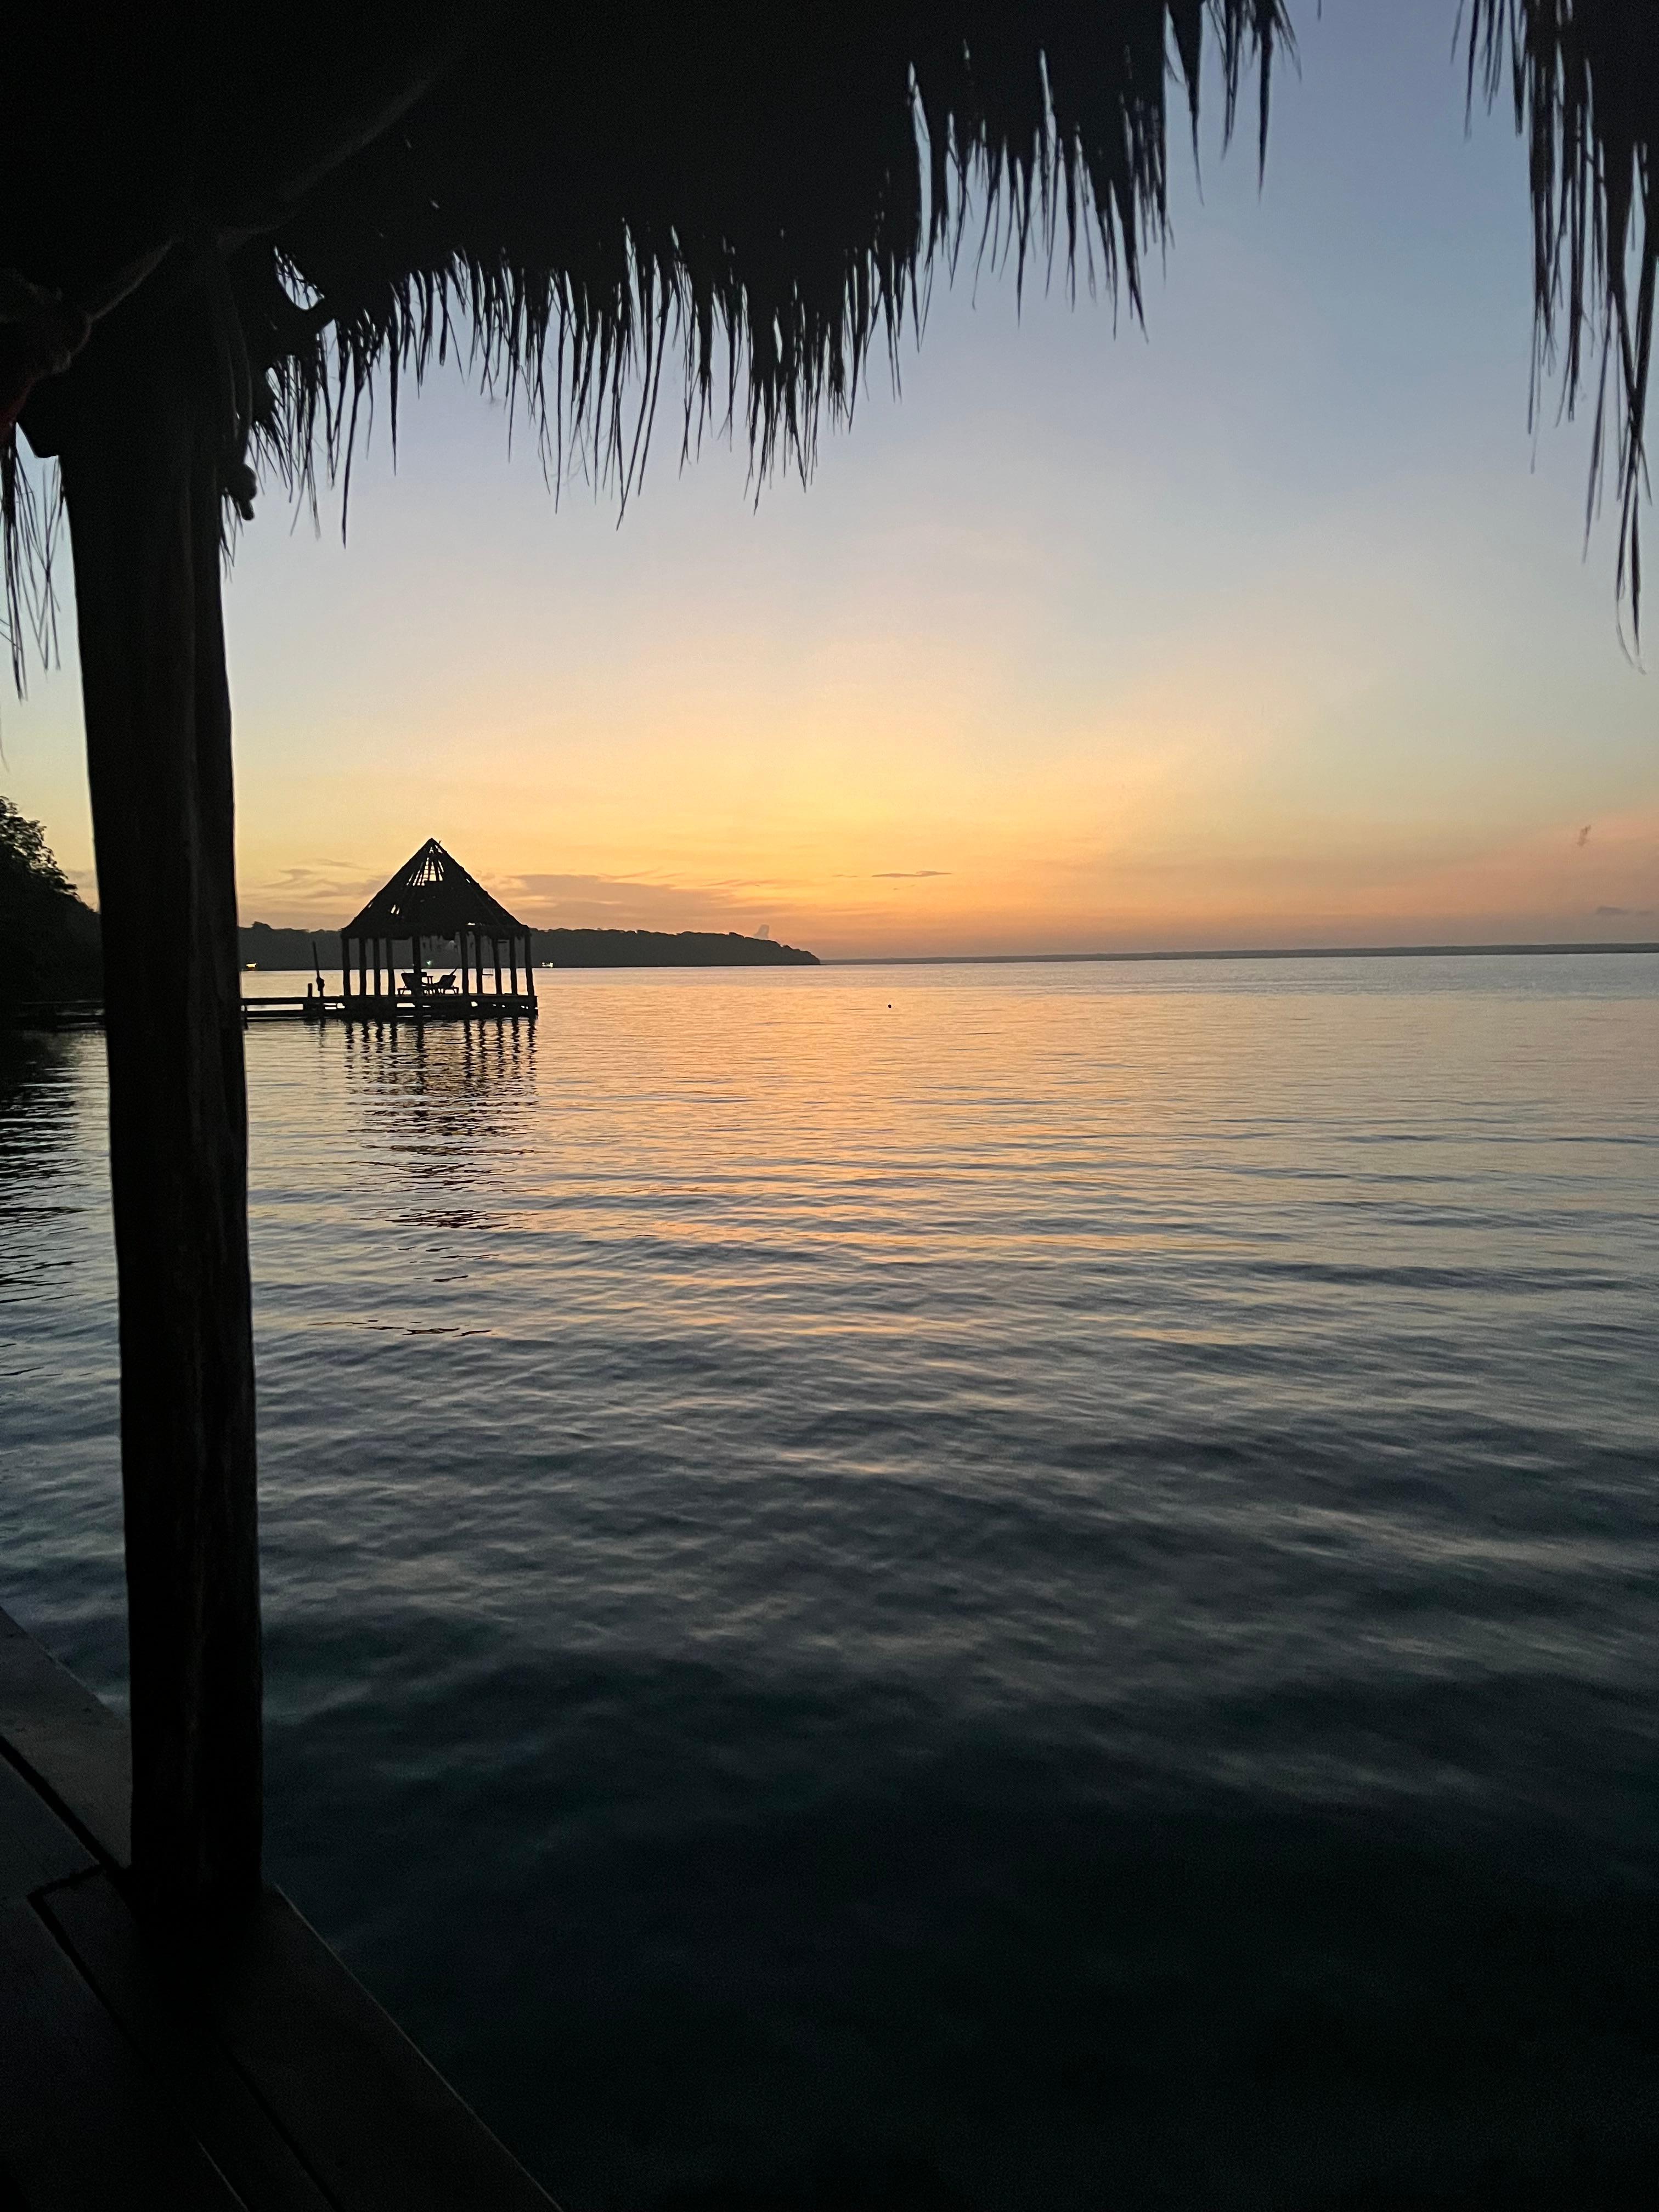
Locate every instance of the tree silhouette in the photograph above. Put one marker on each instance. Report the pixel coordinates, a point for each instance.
(49, 944)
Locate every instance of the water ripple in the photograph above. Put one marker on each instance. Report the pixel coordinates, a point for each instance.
(999, 1576)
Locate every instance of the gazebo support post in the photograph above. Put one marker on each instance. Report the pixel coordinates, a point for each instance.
(141, 478)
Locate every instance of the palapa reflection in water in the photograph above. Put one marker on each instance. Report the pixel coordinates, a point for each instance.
(441, 1106)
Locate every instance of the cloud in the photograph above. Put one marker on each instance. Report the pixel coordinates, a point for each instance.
(907, 875)
(317, 887)
(622, 902)
(295, 897)
(1626, 913)
(1584, 836)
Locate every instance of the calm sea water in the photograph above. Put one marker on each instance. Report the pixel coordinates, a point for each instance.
(1020, 1588)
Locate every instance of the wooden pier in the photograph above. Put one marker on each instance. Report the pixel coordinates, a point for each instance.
(228, 2062)
(375, 1008)
(431, 1004)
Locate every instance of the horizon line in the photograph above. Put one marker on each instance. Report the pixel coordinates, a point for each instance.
(1234, 952)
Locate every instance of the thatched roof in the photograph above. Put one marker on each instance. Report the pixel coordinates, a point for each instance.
(1585, 78)
(432, 895)
(571, 198)
(568, 199)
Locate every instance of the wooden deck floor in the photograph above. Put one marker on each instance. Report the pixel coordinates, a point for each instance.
(243, 2067)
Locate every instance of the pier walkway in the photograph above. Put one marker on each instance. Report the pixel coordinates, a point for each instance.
(225, 2067)
(375, 1009)
(431, 1004)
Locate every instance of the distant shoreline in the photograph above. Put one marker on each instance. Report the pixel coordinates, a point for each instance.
(293, 952)
(1246, 952)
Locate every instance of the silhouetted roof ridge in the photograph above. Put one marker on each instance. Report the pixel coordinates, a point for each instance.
(433, 892)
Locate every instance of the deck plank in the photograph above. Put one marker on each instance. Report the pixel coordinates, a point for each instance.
(83, 2125)
(136, 1979)
(382, 2130)
(35, 1845)
(261, 2046)
(269, 2043)
(69, 1743)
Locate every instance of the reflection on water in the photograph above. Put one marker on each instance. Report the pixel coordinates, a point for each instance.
(60, 1529)
(437, 1108)
(1029, 1587)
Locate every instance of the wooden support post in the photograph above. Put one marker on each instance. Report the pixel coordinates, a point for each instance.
(141, 478)
(513, 959)
(345, 969)
(414, 967)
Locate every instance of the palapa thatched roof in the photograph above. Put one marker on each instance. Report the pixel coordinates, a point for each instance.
(570, 199)
(1584, 75)
(432, 895)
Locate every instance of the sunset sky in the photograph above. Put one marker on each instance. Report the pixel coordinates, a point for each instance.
(1274, 624)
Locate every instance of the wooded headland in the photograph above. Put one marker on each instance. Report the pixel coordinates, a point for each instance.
(264, 946)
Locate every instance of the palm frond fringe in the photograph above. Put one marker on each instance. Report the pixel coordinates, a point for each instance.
(1583, 76)
(573, 205)
(580, 201)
